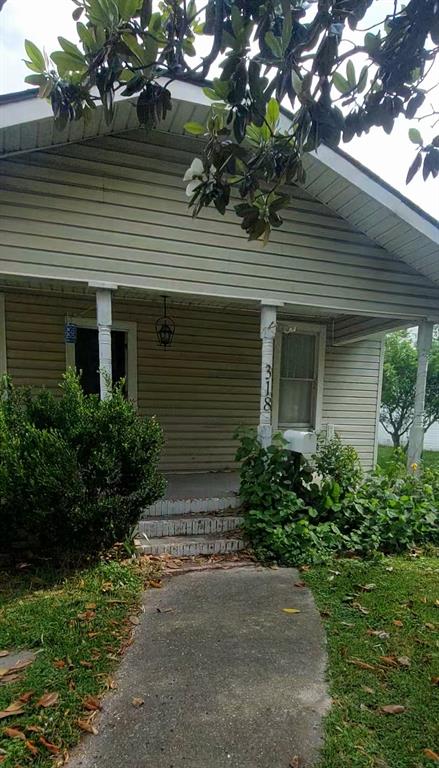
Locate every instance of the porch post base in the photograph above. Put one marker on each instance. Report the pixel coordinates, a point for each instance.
(265, 434)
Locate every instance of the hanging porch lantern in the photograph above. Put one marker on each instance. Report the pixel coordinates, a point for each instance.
(165, 328)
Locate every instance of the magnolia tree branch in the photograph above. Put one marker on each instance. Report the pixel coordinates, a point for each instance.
(264, 53)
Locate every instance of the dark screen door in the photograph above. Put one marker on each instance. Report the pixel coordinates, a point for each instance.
(87, 358)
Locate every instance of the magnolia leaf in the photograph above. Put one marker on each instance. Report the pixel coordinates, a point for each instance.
(16, 708)
(291, 610)
(340, 83)
(137, 702)
(392, 709)
(194, 128)
(272, 113)
(415, 136)
(48, 700)
(412, 171)
(92, 703)
(87, 726)
(52, 748)
(274, 44)
(431, 755)
(350, 74)
(35, 55)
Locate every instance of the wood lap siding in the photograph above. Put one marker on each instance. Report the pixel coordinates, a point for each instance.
(200, 389)
(114, 208)
(351, 394)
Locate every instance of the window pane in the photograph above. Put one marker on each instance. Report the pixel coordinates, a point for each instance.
(295, 402)
(298, 356)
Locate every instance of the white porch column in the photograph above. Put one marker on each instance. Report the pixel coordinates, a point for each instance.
(104, 320)
(416, 437)
(268, 332)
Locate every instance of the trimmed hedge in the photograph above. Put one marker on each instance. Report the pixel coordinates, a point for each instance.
(75, 471)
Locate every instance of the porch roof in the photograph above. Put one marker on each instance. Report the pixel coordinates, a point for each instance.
(333, 177)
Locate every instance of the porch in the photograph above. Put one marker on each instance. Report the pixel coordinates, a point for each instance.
(232, 362)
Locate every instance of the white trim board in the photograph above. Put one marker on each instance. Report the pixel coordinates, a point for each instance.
(130, 329)
(3, 348)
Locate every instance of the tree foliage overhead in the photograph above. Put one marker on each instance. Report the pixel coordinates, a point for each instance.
(399, 384)
(261, 54)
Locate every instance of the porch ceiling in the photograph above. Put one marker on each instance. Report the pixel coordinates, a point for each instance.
(349, 189)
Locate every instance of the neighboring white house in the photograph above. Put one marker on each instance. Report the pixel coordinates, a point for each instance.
(95, 230)
(431, 440)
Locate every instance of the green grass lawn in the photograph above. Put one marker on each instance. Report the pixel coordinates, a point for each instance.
(430, 458)
(77, 626)
(385, 615)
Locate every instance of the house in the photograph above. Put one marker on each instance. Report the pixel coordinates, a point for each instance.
(95, 231)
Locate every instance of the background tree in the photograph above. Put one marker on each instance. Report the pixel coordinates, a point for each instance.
(399, 382)
(298, 53)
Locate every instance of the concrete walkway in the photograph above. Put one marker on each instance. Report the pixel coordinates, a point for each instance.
(228, 679)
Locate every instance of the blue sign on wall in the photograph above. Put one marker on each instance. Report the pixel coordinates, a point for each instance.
(70, 333)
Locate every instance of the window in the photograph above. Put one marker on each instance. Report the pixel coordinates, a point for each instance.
(298, 376)
(84, 354)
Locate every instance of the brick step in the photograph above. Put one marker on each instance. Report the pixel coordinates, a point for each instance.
(188, 525)
(166, 507)
(187, 546)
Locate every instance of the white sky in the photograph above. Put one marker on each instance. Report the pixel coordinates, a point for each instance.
(42, 20)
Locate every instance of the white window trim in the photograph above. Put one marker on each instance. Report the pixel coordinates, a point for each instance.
(320, 332)
(3, 349)
(130, 328)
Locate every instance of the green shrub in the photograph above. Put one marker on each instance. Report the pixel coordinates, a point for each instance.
(296, 513)
(75, 472)
(338, 462)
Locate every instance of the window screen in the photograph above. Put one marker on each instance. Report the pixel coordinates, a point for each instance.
(298, 374)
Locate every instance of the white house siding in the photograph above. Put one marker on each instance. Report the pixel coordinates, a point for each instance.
(202, 387)
(431, 440)
(114, 208)
(352, 393)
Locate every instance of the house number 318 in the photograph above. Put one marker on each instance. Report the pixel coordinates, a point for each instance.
(268, 378)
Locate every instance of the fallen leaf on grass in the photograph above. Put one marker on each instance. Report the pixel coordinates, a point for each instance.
(429, 625)
(3, 654)
(14, 733)
(367, 587)
(134, 620)
(366, 689)
(435, 680)
(31, 747)
(16, 708)
(87, 726)
(398, 623)
(92, 703)
(26, 696)
(290, 610)
(360, 608)
(431, 755)
(51, 747)
(389, 660)
(48, 700)
(86, 664)
(392, 709)
(34, 728)
(362, 664)
(90, 606)
(59, 663)
(137, 702)
(155, 584)
(378, 633)
(403, 661)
